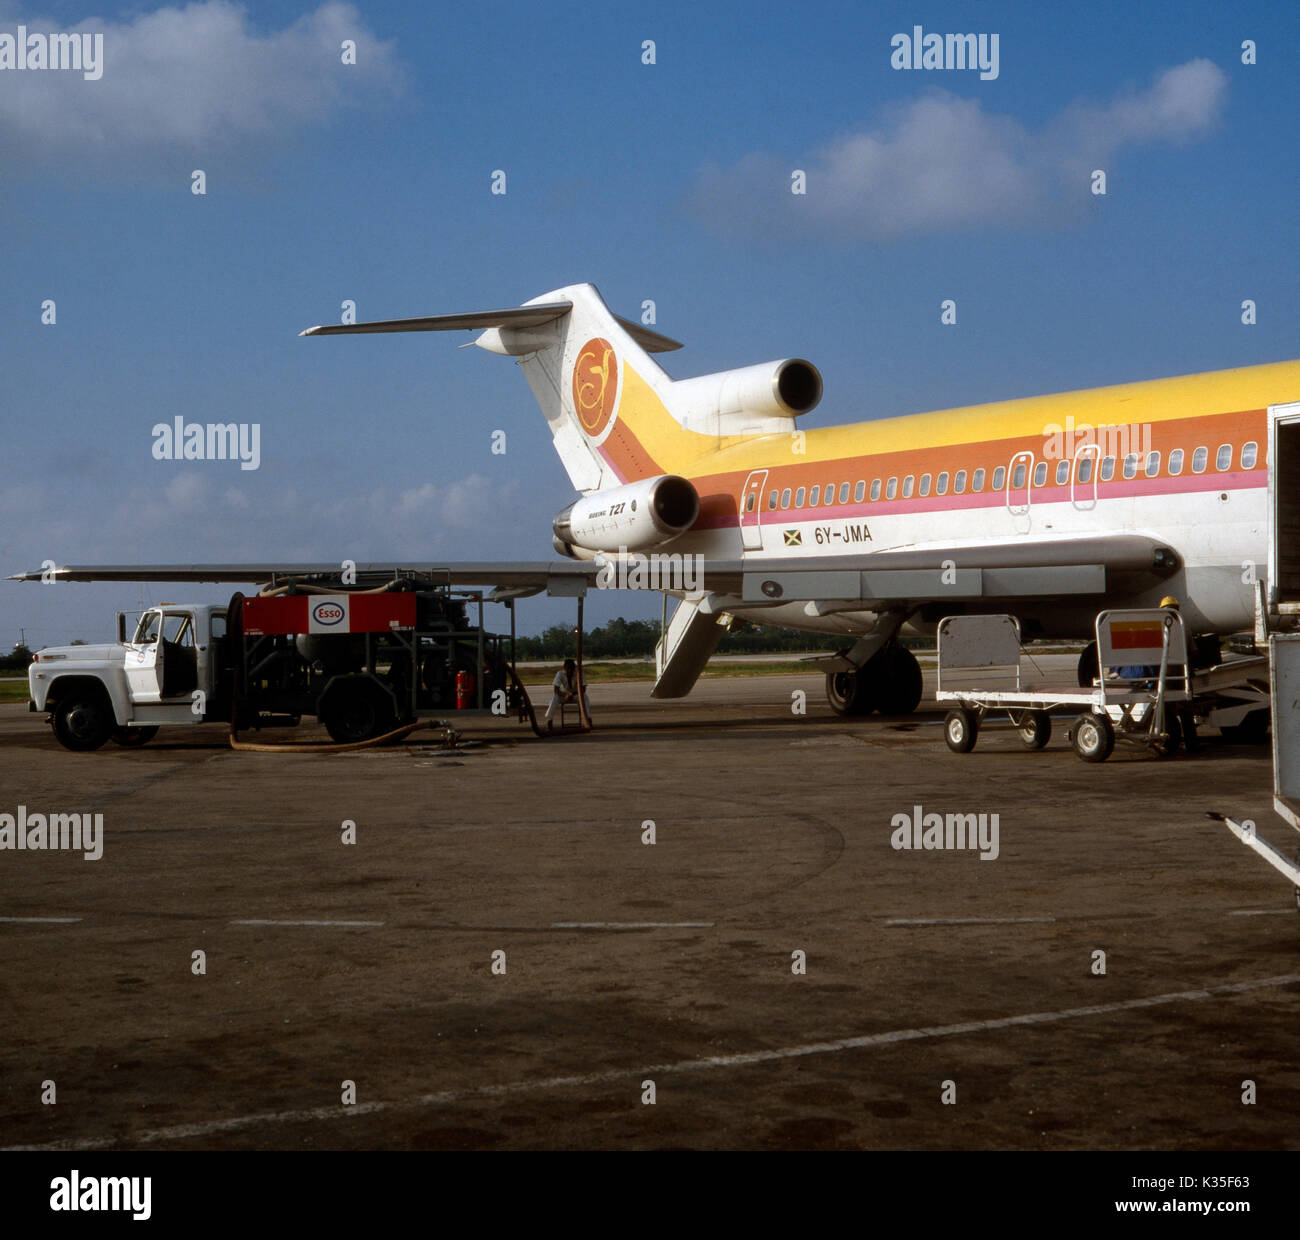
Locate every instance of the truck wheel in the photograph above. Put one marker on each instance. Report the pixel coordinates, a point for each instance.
(357, 712)
(83, 721)
(1093, 738)
(960, 730)
(133, 738)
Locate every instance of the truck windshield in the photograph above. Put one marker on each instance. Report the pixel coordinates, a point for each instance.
(146, 632)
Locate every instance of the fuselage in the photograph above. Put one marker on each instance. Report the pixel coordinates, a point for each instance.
(1182, 460)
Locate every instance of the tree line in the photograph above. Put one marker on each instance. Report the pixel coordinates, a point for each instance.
(632, 639)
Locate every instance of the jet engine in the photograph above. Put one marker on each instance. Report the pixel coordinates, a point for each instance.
(770, 389)
(636, 516)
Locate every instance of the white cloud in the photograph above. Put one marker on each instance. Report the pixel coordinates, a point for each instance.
(942, 164)
(195, 515)
(194, 81)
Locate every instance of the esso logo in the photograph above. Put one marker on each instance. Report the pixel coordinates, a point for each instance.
(327, 613)
(595, 385)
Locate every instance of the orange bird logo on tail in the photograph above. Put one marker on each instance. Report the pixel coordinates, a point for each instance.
(595, 385)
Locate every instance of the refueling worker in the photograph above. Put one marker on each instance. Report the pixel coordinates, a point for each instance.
(564, 688)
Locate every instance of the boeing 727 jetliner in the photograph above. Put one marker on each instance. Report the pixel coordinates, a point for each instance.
(1050, 508)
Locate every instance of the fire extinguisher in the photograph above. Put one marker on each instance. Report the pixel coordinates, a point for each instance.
(464, 690)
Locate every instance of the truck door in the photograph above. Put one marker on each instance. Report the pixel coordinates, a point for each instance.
(178, 657)
(143, 670)
(751, 511)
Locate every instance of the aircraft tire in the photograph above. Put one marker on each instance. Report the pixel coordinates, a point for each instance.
(898, 680)
(1168, 747)
(1088, 669)
(850, 693)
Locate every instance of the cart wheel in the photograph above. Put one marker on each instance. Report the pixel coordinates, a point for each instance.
(1035, 728)
(1174, 734)
(960, 730)
(1094, 737)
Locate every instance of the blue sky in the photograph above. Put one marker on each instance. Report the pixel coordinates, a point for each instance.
(667, 182)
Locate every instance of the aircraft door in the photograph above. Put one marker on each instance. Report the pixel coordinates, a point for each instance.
(751, 511)
(1019, 483)
(1083, 477)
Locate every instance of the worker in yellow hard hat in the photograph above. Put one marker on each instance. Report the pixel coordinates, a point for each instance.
(1169, 601)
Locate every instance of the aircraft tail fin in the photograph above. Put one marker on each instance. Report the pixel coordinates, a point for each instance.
(615, 415)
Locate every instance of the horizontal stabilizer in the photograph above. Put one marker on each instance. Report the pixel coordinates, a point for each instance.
(480, 320)
(515, 316)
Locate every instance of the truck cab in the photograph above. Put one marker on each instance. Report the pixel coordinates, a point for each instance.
(169, 670)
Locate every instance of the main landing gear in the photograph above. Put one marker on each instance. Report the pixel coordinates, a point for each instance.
(890, 682)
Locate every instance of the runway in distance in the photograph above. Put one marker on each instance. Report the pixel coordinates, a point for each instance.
(1050, 508)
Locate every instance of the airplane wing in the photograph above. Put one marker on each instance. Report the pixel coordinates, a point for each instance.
(826, 584)
(562, 578)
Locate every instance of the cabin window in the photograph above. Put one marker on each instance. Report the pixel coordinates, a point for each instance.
(1000, 476)
(909, 484)
(844, 492)
(1249, 455)
(749, 502)
(1153, 464)
(1131, 465)
(891, 488)
(798, 498)
(813, 496)
(1224, 459)
(1040, 473)
(1107, 471)
(925, 485)
(771, 501)
(941, 485)
(1199, 460)
(977, 480)
(1176, 462)
(1083, 475)
(785, 498)
(1062, 473)
(1018, 475)
(828, 497)
(959, 482)
(859, 492)
(875, 488)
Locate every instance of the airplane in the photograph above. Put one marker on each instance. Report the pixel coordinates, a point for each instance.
(1050, 508)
